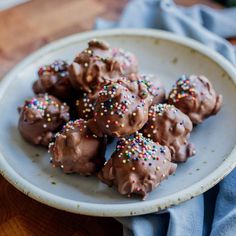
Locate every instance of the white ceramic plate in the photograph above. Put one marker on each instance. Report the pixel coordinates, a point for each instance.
(167, 55)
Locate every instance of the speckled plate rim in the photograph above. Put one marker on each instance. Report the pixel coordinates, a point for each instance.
(117, 210)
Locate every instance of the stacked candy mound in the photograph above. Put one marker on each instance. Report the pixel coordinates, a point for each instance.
(80, 107)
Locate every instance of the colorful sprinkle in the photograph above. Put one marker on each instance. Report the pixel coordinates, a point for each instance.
(182, 88)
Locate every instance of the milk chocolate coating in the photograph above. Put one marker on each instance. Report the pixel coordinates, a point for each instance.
(99, 65)
(41, 117)
(137, 166)
(195, 96)
(54, 79)
(154, 85)
(125, 62)
(84, 106)
(76, 150)
(121, 108)
(169, 126)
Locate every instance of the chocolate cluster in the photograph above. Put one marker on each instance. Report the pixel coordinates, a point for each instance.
(54, 79)
(122, 107)
(41, 117)
(99, 65)
(169, 126)
(137, 166)
(195, 96)
(76, 150)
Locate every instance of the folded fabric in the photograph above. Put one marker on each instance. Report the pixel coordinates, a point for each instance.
(198, 22)
(213, 213)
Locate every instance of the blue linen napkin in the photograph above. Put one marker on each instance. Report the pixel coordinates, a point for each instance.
(5, 4)
(213, 213)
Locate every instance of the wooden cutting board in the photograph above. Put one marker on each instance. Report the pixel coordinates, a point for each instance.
(23, 29)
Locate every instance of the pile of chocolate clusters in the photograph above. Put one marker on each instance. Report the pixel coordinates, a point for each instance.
(80, 108)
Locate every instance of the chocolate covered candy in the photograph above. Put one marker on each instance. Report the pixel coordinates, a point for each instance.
(195, 96)
(76, 150)
(54, 79)
(41, 117)
(121, 108)
(99, 65)
(169, 126)
(137, 166)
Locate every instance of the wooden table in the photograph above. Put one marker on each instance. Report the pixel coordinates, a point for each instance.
(23, 29)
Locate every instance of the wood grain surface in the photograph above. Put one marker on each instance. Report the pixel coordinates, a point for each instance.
(23, 29)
